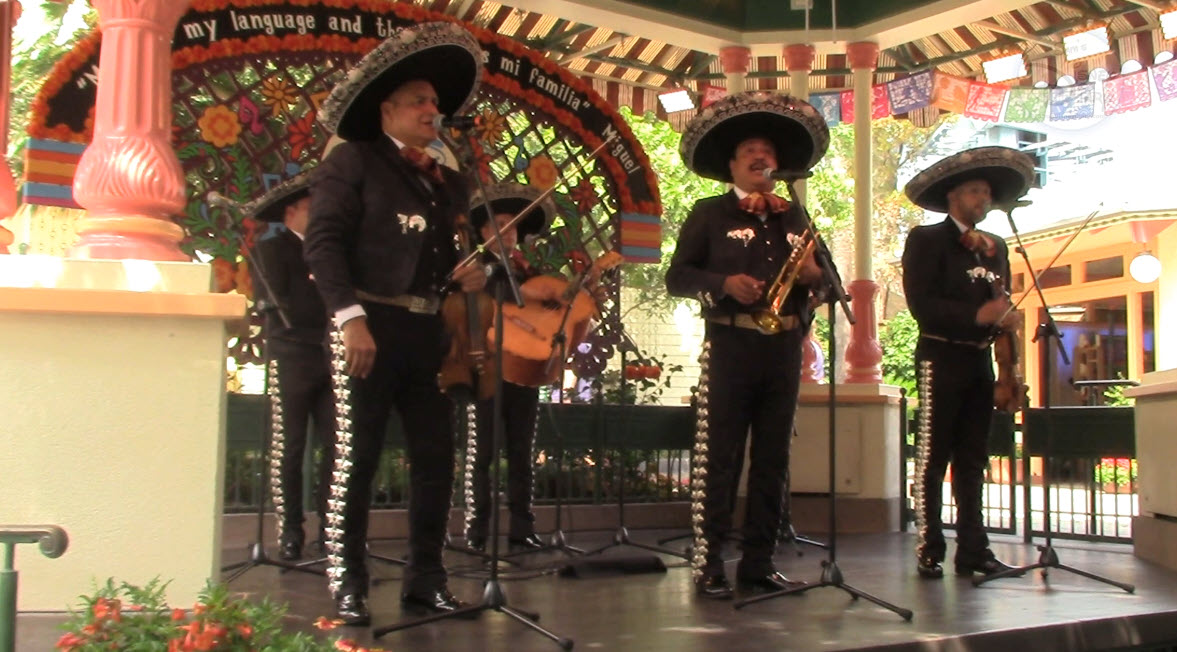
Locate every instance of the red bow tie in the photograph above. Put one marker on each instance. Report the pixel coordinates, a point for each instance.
(763, 202)
(978, 242)
(425, 163)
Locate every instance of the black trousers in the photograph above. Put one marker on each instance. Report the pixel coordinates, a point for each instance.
(960, 381)
(753, 383)
(304, 385)
(519, 415)
(409, 350)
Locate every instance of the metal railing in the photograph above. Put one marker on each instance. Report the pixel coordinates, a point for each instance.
(52, 541)
(1087, 454)
(652, 442)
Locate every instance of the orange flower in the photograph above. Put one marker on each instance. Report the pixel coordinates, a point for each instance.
(347, 645)
(542, 173)
(219, 126)
(245, 631)
(325, 624)
(177, 614)
(301, 135)
(70, 641)
(492, 127)
(104, 608)
(278, 94)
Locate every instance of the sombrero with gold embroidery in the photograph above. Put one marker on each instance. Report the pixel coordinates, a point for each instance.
(1010, 174)
(271, 207)
(442, 53)
(796, 129)
(512, 198)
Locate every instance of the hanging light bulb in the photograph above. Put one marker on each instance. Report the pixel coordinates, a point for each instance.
(1145, 267)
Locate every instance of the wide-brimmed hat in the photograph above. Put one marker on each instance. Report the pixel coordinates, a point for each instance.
(796, 129)
(1010, 174)
(444, 54)
(271, 207)
(512, 198)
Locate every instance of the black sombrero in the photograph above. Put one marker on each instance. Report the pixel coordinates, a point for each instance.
(1008, 171)
(444, 54)
(512, 198)
(796, 129)
(271, 207)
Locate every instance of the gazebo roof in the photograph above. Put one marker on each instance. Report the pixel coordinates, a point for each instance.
(656, 44)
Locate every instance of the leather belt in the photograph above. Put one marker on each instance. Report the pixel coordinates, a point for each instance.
(419, 305)
(969, 343)
(744, 320)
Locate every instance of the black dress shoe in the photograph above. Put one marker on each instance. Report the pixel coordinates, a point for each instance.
(990, 566)
(476, 543)
(713, 587)
(352, 609)
(529, 542)
(434, 601)
(767, 583)
(289, 551)
(929, 569)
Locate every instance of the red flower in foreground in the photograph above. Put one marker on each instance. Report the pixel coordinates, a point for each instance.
(325, 624)
(70, 641)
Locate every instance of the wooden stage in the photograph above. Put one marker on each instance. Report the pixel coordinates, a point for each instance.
(658, 612)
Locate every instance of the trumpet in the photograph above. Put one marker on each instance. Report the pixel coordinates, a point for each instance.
(768, 319)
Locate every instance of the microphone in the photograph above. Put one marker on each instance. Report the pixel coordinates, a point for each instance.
(459, 122)
(786, 175)
(1021, 203)
(217, 199)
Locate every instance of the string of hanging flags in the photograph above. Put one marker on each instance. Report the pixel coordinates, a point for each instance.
(998, 102)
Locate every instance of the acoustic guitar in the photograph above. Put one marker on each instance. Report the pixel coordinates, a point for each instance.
(529, 332)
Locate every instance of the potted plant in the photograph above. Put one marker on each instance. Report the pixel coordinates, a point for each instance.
(128, 617)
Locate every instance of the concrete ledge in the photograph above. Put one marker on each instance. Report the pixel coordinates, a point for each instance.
(1155, 539)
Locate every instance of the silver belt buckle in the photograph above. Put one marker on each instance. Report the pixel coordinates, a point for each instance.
(422, 305)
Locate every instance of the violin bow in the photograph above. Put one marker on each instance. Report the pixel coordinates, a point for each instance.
(1038, 275)
(535, 202)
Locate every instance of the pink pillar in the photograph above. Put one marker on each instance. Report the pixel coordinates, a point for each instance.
(863, 353)
(129, 178)
(9, 13)
(735, 60)
(799, 59)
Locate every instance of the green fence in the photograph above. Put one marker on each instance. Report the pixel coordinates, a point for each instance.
(651, 444)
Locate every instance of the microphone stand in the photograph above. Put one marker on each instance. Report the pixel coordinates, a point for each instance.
(263, 304)
(831, 575)
(493, 596)
(1047, 331)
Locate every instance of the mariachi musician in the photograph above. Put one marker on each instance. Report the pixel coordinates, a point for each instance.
(296, 347)
(381, 247)
(956, 279)
(729, 251)
(518, 402)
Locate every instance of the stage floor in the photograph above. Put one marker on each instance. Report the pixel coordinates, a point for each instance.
(658, 612)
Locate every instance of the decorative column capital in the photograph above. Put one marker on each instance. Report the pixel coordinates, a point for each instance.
(735, 59)
(862, 55)
(799, 57)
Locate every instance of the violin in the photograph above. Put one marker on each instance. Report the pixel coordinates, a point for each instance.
(529, 332)
(467, 370)
(1010, 392)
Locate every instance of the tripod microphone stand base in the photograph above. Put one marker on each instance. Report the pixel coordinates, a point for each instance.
(621, 538)
(831, 575)
(793, 539)
(493, 599)
(258, 557)
(1047, 559)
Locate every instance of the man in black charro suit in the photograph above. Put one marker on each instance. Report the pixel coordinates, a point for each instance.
(730, 249)
(381, 246)
(954, 279)
(297, 350)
